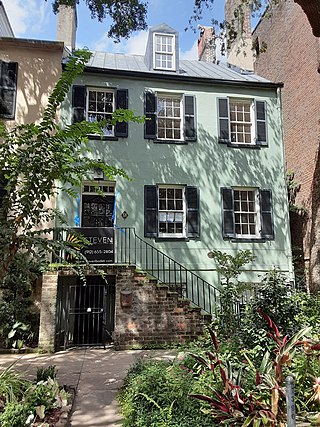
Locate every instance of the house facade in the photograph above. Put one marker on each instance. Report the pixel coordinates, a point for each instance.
(207, 172)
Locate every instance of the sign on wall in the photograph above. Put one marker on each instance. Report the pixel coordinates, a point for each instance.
(101, 249)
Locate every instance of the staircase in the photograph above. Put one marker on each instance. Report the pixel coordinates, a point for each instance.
(156, 315)
(132, 249)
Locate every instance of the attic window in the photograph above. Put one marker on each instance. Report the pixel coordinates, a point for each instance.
(164, 51)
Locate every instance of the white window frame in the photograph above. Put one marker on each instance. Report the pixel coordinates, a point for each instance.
(252, 121)
(106, 132)
(170, 96)
(256, 213)
(164, 52)
(183, 211)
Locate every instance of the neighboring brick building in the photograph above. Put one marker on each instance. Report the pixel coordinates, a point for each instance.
(292, 56)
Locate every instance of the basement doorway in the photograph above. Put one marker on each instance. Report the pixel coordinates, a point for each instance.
(85, 313)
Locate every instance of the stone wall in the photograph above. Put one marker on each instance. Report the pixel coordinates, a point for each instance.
(146, 314)
(48, 311)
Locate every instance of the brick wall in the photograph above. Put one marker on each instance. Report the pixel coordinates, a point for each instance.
(155, 316)
(292, 56)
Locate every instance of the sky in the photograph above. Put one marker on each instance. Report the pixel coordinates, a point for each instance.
(34, 19)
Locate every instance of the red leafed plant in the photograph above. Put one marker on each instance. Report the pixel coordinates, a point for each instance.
(264, 404)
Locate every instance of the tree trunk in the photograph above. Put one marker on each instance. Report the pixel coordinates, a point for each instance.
(312, 9)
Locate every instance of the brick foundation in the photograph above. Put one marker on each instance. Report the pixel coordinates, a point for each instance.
(145, 313)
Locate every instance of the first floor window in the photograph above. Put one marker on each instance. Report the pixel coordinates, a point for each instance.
(171, 211)
(246, 210)
(247, 213)
(169, 117)
(97, 206)
(100, 107)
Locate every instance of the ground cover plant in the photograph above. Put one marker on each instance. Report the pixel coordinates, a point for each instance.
(34, 403)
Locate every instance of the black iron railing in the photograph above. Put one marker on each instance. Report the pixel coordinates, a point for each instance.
(133, 250)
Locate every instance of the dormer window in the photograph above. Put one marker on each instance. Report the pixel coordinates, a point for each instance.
(164, 51)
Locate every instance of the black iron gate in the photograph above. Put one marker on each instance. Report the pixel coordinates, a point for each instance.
(85, 313)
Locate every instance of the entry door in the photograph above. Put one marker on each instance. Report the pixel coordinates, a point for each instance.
(85, 312)
(97, 210)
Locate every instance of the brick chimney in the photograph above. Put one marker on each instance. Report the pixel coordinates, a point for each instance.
(240, 52)
(207, 44)
(67, 26)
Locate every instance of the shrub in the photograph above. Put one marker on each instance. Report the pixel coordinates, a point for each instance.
(15, 415)
(155, 395)
(43, 373)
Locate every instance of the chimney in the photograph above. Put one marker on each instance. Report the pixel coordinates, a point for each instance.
(67, 26)
(206, 44)
(240, 52)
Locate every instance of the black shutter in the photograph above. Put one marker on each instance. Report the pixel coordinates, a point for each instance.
(190, 132)
(193, 220)
(121, 128)
(150, 211)
(150, 107)
(267, 230)
(223, 113)
(227, 212)
(78, 103)
(261, 123)
(8, 89)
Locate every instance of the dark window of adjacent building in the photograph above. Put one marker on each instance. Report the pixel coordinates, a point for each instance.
(8, 89)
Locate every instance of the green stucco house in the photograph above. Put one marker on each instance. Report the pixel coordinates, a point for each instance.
(207, 169)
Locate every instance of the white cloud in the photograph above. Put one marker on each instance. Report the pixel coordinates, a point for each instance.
(136, 45)
(192, 53)
(26, 16)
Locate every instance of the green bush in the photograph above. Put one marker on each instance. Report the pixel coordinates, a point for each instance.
(155, 394)
(15, 415)
(43, 373)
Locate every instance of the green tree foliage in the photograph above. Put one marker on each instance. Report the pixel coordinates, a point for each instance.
(37, 161)
(126, 15)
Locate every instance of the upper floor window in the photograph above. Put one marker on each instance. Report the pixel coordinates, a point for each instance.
(100, 106)
(247, 213)
(242, 122)
(170, 117)
(164, 48)
(95, 104)
(8, 89)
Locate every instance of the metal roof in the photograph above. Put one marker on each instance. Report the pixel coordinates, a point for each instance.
(188, 69)
(5, 27)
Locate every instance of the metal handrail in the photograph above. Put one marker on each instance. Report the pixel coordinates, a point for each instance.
(132, 249)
